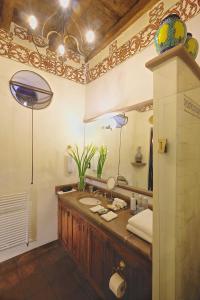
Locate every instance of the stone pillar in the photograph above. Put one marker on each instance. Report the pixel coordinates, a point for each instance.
(176, 194)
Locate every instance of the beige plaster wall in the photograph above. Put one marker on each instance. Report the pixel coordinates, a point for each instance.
(130, 82)
(188, 195)
(176, 184)
(54, 127)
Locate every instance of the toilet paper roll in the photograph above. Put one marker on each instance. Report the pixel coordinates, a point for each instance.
(117, 285)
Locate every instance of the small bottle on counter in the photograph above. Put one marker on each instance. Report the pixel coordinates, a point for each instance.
(145, 202)
(139, 203)
(133, 206)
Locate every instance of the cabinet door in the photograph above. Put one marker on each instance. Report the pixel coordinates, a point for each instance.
(96, 257)
(76, 237)
(80, 241)
(59, 220)
(141, 279)
(84, 246)
(66, 231)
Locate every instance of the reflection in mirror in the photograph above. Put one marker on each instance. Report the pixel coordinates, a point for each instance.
(129, 141)
(111, 183)
(136, 158)
(104, 132)
(30, 89)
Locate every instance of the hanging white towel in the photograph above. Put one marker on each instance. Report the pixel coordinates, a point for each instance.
(70, 164)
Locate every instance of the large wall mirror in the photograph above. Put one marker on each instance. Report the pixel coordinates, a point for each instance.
(129, 144)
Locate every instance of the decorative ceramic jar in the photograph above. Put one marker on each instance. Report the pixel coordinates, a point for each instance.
(138, 156)
(172, 31)
(192, 45)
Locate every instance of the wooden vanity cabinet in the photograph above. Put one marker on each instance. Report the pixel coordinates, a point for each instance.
(98, 255)
(79, 241)
(96, 251)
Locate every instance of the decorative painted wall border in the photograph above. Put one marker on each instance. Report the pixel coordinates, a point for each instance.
(48, 63)
(187, 9)
(24, 35)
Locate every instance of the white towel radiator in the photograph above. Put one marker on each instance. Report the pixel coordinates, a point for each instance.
(14, 220)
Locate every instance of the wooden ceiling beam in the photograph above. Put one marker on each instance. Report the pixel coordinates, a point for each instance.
(115, 14)
(7, 12)
(135, 13)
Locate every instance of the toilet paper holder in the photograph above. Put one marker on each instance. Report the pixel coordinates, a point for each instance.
(120, 268)
(119, 271)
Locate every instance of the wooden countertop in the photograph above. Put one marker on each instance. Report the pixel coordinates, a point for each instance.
(116, 227)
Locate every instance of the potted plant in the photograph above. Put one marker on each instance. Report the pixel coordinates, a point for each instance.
(82, 161)
(103, 151)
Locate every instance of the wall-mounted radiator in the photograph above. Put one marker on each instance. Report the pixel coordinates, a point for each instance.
(14, 220)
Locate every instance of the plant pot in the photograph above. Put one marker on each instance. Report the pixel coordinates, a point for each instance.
(192, 45)
(171, 32)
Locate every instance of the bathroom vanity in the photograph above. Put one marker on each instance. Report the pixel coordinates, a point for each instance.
(102, 248)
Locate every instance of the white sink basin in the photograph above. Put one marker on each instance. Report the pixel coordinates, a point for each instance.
(89, 201)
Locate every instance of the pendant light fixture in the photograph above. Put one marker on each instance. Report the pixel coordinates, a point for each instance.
(62, 37)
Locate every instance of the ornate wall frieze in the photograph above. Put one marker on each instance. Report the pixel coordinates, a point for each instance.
(49, 62)
(185, 8)
(23, 34)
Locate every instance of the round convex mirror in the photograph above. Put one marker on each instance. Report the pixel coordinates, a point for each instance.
(111, 182)
(30, 89)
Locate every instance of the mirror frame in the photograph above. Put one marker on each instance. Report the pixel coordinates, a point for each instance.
(31, 87)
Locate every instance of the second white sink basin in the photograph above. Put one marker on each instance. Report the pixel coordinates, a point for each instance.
(89, 201)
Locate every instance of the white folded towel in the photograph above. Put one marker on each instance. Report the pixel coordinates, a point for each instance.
(139, 233)
(119, 202)
(143, 221)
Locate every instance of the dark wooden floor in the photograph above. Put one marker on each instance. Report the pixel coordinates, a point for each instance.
(45, 273)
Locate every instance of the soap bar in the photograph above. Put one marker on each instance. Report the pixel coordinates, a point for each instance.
(109, 216)
(102, 211)
(96, 208)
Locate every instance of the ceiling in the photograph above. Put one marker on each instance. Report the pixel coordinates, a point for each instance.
(107, 18)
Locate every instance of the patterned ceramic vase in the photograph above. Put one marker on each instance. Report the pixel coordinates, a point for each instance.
(192, 45)
(172, 31)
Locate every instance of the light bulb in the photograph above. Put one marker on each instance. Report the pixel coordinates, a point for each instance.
(61, 49)
(64, 3)
(90, 36)
(33, 23)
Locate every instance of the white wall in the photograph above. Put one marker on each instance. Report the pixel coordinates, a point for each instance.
(122, 86)
(54, 127)
(129, 83)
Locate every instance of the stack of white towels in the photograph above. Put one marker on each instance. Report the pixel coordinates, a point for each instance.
(142, 225)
